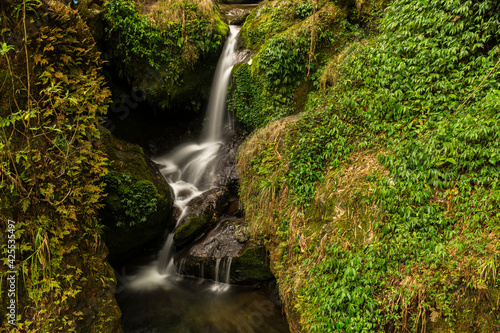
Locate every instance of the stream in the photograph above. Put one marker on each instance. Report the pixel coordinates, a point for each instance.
(153, 295)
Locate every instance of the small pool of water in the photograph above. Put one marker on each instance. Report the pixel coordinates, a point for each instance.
(189, 305)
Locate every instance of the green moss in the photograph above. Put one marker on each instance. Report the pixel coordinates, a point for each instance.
(124, 157)
(220, 27)
(190, 229)
(253, 264)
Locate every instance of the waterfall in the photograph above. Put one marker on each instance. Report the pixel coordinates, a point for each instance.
(217, 101)
(165, 257)
(217, 264)
(180, 265)
(223, 270)
(228, 270)
(190, 169)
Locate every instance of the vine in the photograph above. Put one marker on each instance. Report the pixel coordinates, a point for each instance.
(51, 172)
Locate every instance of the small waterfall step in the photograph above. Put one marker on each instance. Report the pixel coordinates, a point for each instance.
(223, 270)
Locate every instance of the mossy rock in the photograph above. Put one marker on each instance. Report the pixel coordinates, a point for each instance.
(189, 230)
(139, 201)
(253, 264)
(202, 213)
(169, 49)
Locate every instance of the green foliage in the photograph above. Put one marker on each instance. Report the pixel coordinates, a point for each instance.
(304, 10)
(246, 98)
(431, 254)
(296, 45)
(4, 48)
(137, 200)
(283, 61)
(342, 292)
(163, 47)
(319, 141)
(269, 93)
(51, 172)
(139, 38)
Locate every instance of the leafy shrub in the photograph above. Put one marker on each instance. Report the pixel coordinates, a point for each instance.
(53, 100)
(304, 10)
(137, 200)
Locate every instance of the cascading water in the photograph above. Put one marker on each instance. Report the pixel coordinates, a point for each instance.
(157, 298)
(190, 168)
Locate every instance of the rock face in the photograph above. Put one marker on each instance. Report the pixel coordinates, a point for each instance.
(201, 214)
(244, 55)
(228, 247)
(237, 16)
(228, 175)
(139, 201)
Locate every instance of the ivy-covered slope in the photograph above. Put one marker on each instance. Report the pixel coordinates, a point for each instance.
(52, 99)
(380, 201)
(293, 41)
(168, 48)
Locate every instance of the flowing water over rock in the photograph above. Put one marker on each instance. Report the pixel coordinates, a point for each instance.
(155, 297)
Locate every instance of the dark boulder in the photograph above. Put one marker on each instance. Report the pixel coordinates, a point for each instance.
(201, 213)
(237, 16)
(138, 203)
(227, 174)
(228, 247)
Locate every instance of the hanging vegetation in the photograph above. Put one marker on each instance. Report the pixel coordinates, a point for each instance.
(53, 97)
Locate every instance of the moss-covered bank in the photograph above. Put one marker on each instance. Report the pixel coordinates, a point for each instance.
(379, 200)
(167, 49)
(53, 97)
(293, 40)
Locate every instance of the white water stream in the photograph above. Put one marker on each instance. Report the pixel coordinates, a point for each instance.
(190, 168)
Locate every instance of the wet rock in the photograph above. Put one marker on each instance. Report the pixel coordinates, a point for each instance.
(201, 213)
(228, 175)
(243, 56)
(238, 16)
(224, 249)
(234, 207)
(138, 203)
(220, 242)
(253, 264)
(242, 233)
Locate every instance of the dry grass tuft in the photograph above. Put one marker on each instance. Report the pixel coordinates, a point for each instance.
(261, 196)
(346, 187)
(173, 10)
